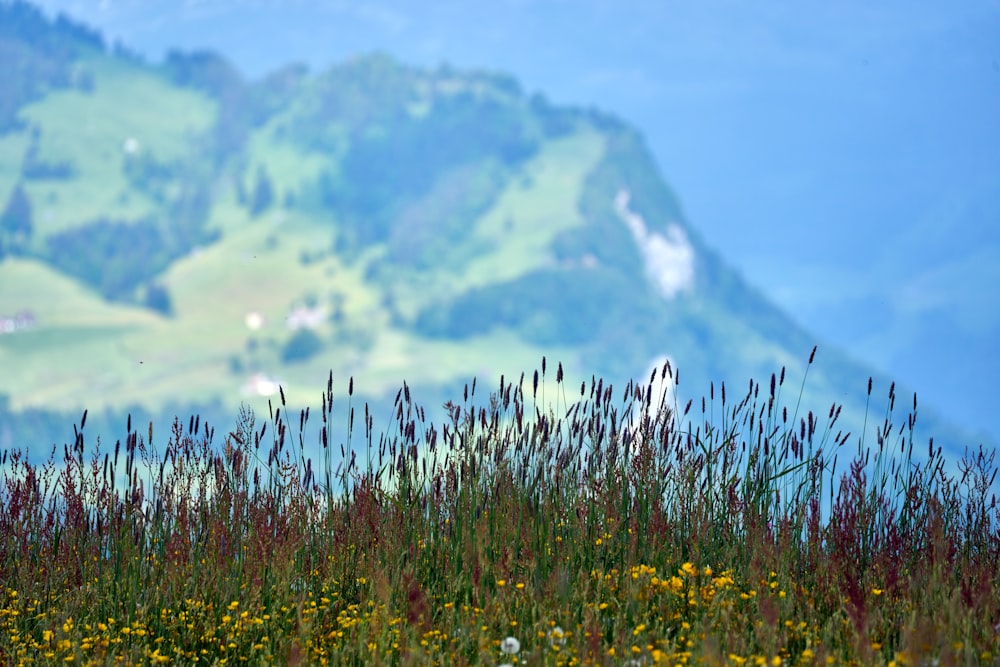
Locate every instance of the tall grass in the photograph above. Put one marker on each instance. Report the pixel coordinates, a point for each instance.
(613, 528)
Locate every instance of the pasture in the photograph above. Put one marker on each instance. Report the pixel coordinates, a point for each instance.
(605, 527)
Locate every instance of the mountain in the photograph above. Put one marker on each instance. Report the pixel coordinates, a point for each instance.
(176, 238)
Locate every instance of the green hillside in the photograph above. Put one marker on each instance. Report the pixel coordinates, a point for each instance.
(180, 236)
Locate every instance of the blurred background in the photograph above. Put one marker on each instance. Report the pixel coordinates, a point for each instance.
(844, 158)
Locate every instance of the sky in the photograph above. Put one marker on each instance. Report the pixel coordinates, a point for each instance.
(844, 157)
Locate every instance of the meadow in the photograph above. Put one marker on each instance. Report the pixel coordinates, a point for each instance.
(603, 526)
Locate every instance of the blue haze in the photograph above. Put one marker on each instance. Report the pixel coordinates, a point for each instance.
(845, 157)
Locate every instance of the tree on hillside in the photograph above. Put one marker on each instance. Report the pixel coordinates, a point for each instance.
(303, 345)
(38, 54)
(116, 257)
(16, 224)
(158, 298)
(263, 193)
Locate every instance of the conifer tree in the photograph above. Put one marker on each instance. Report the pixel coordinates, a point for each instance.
(16, 223)
(263, 193)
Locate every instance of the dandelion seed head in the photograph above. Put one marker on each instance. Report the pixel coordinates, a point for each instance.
(510, 646)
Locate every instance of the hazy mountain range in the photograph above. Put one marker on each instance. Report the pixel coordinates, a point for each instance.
(843, 158)
(177, 236)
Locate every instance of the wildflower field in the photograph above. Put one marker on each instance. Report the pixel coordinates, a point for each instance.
(611, 528)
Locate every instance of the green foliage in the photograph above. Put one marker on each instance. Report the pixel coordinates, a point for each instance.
(182, 190)
(395, 156)
(263, 193)
(120, 257)
(35, 169)
(571, 306)
(154, 177)
(302, 345)
(210, 73)
(117, 257)
(204, 70)
(112, 256)
(579, 304)
(364, 94)
(38, 55)
(16, 220)
(157, 298)
(187, 216)
(626, 164)
(554, 121)
(242, 106)
(384, 171)
(425, 231)
(276, 90)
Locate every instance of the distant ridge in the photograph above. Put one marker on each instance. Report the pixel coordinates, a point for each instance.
(445, 223)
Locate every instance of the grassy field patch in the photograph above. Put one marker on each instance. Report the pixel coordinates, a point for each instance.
(128, 103)
(602, 533)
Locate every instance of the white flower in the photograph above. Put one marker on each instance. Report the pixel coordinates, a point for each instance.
(510, 646)
(557, 636)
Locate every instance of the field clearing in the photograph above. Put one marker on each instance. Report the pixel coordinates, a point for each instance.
(95, 135)
(290, 168)
(77, 339)
(101, 354)
(59, 300)
(512, 238)
(519, 229)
